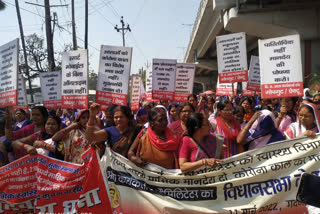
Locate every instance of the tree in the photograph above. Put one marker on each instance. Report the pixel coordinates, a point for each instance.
(92, 80)
(2, 5)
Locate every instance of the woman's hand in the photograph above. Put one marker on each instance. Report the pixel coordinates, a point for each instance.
(94, 109)
(139, 161)
(309, 133)
(30, 149)
(74, 125)
(255, 116)
(212, 162)
(37, 144)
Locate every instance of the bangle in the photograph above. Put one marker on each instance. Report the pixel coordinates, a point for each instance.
(22, 146)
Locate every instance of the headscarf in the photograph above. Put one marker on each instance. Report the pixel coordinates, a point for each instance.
(167, 113)
(264, 131)
(305, 96)
(295, 129)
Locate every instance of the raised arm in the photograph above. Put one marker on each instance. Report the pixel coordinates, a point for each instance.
(242, 137)
(64, 132)
(91, 134)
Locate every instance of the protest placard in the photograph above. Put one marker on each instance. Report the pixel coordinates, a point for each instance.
(232, 58)
(135, 92)
(51, 89)
(254, 82)
(280, 67)
(149, 85)
(226, 88)
(22, 94)
(75, 79)
(263, 180)
(142, 91)
(163, 78)
(245, 90)
(113, 76)
(184, 81)
(8, 73)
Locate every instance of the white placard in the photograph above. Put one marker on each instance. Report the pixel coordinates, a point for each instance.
(184, 81)
(142, 91)
(254, 83)
(226, 88)
(51, 89)
(75, 79)
(163, 78)
(281, 68)
(149, 84)
(135, 92)
(8, 73)
(232, 58)
(22, 92)
(113, 76)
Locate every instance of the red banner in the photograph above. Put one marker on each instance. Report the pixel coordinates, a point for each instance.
(247, 92)
(225, 91)
(134, 106)
(8, 98)
(75, 101)
(181, 97)
(253, 86)
(39, 184)
(162, 95)
(108, 98)
(24, 107)
(49, 104)
(236, 76)
(277, 90)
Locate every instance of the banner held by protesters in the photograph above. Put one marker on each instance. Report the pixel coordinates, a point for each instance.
(135, 92)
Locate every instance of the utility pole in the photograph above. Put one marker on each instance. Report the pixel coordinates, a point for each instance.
(122, 29)
(24, 50)
(86, 26)
(49, 33)
(49, 36)
(74, 36)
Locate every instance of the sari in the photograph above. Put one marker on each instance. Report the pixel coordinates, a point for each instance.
(20, 125)
(190, 150)
(296, 128)
(121, 143)
(176, 127)
(230, 135)
(157, 151)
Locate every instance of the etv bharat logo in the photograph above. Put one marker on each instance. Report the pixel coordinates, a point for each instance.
(115, 196)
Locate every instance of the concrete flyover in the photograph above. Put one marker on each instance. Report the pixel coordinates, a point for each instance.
(259, 19)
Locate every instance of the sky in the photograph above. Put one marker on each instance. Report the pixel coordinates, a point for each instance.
(160, 28)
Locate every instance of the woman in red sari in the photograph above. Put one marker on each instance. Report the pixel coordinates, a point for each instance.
(227, 126)
(157, 144)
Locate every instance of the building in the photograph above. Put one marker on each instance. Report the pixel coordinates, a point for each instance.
(259, 19)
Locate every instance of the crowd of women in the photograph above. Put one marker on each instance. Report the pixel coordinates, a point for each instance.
(200, 132)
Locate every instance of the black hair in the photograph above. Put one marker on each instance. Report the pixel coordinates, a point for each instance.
(21, 110)
(153, 113)
(43, 110)
(246, 98)
(222, 104)
(182, 105)
(211, 99)
(194, 122)
(171, 105)
(125, 110)
(192, 95)
(45, 135)
(238, 109)
(111, 108)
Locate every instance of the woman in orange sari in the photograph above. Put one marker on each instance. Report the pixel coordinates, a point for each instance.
(157, 144)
